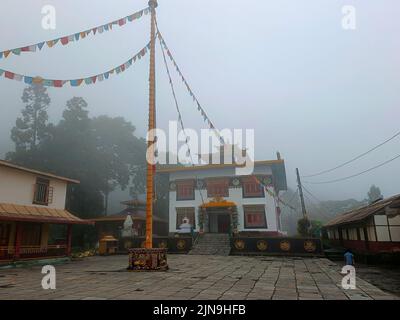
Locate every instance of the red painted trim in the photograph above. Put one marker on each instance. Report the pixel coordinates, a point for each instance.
(69, 239)
(373, 247)
(18, 236)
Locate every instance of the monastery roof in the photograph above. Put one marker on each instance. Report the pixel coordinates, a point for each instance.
(177, 168)
(277, 166)
(362, 213)
(41, 173)
(14, 212)
(134, 203)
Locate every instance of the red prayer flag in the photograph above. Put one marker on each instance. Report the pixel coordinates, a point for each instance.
(25, 48)
(58, 83)
(64, 40)
(94, 79)
(9, 75)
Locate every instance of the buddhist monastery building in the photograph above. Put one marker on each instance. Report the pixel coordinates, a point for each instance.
(373, 229)
(34, 223)
(214, 199)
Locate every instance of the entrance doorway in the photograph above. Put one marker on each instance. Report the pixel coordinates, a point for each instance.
(219, 220)
(223, 223)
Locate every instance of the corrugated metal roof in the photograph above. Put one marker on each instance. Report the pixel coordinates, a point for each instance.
(360, 214)
(14, 212)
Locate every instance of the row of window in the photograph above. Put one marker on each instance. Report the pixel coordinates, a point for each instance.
(218, 188)
(254, 216)
(377, 233)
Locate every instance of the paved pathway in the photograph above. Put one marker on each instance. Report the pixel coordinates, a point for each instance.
(190, 277)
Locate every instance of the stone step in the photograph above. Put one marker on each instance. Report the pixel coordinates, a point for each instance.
(212, 244)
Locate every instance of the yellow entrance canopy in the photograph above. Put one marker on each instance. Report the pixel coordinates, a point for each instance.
(218, 204)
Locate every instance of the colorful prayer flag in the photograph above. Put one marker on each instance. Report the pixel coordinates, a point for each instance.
(37, 80)
(58, 83)
(28, 80)
(64, 40)
(9, 75)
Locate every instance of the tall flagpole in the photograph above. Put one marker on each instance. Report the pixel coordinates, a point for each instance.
(151, 137)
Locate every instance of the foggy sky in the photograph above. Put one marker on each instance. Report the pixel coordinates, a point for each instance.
(318, 94)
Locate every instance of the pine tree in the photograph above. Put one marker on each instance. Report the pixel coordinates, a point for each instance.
(31, 128)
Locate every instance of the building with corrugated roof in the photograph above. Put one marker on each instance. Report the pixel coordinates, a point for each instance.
(372, 229)
(32, 206)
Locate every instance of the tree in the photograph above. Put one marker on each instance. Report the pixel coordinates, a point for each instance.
(303, 226)
(70, 151)
(316, 228)
(374, 194)
(120, 153)
(32, 128)
(309, 228)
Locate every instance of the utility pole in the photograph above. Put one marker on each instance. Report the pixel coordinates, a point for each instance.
(303, 206)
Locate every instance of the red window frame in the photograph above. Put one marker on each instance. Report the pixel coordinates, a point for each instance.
(217, 188)
(254, 217)
(185, 190)
(251, 188)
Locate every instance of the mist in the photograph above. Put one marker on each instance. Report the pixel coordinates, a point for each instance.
(311, 90)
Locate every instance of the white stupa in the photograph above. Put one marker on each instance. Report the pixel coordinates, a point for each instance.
(185, 227)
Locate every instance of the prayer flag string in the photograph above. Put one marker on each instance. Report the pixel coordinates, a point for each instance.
(76, 82)
(199, 107)
(64, 40)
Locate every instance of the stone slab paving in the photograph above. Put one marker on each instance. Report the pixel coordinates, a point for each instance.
(190, 277)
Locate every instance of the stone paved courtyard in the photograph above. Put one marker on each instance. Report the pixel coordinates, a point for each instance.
(190, 277)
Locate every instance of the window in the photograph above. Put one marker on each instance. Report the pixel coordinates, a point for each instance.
(383, 233)
(31, 234)
(361, 231)
(254, 216)
(43, 192)
(217, 188)
(185, 190)
(182, 213)
(252, 189)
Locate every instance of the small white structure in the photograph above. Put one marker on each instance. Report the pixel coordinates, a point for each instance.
(185, 227)
(127, 230)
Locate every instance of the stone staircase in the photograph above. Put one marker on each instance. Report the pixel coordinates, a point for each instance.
(212, 244)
